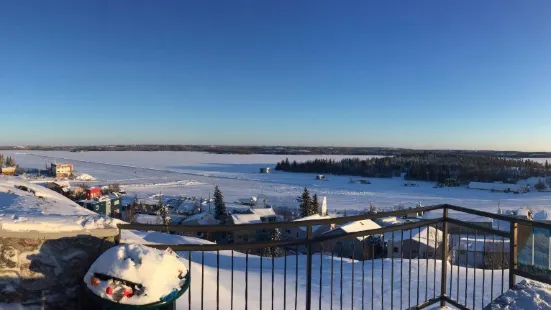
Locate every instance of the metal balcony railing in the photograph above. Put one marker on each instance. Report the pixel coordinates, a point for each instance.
(407, 266)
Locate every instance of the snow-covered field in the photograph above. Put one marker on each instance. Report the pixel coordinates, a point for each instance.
(195, 174)
(30, 207)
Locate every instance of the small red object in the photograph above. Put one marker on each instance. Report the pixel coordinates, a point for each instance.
(109, 290)
(128, 292)
(94, 281)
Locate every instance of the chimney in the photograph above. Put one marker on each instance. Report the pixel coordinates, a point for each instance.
(323, 209)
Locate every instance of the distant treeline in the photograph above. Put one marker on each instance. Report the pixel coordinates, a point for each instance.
(425, 166)
(278, 150)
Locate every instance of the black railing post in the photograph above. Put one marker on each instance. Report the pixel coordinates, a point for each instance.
(309, 268)
(118, 236)
(444, 257)
(513, 251)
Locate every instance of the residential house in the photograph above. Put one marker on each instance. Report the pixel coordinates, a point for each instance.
(414, 243)
(359, 248)
(265, 170)
(59, 186)
(479, 253)
(203, 218)
(61, 170)
(300, 232)
(244, 236)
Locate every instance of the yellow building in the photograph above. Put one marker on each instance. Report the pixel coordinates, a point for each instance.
(62, 170)
(7, 170)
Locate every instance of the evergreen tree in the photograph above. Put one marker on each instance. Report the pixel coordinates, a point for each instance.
(305, 203)
(10, 162)
(163, 212)
(220, 212)
(315, 205)
(275, 235)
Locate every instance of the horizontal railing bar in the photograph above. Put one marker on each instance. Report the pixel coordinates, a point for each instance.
(259, 245)
(427, 303)
(531, 276)
(500, 217)
(454, 303)
(478, 227)
(377, 231)
(240, 227)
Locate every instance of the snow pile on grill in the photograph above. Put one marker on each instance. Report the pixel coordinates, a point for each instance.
(136, 274)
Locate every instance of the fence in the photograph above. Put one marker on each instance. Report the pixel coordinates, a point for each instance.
(406, 266)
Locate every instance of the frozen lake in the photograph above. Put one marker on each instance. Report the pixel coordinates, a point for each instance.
(195, 174)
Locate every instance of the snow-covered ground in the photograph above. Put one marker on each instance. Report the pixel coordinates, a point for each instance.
(195, 174)
(29, 207)
(525, 295)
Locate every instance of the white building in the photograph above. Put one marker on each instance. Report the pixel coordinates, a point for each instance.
(499, 187)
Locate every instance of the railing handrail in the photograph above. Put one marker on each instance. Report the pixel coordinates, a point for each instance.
(283, 243)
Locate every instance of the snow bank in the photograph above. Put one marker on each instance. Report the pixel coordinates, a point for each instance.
(527, 294)
(159, 272)
(26, 206)
(85, 177)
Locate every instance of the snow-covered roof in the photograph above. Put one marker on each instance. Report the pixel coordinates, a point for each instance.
(263, 211)
(542, 215)
(314, 217)
(478, 245)
(310, 218)
(43, 210)
(187, 206)
(148, 219)
(246, 218)
(359, 226)
(416, 234)
(203, 218)
(62, 183)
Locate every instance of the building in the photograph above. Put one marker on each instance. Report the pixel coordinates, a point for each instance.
(386, 221)
(62, 187)
(500, 187)
(109, 206)
(92, 193)
(61, 170)
(265, 170)
(320, 177)
(480, 253)
(415, 243)
(300, 232)
(359, 248)
(8, 170)
(267, 215)
(244, 236)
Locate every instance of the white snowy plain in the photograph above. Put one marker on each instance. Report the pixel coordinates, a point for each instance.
(194, 174)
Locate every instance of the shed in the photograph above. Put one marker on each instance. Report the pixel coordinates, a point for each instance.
(359, 248)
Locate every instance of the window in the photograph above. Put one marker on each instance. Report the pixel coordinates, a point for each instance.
(396, 250)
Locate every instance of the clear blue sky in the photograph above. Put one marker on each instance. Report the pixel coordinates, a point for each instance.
(423, 74)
